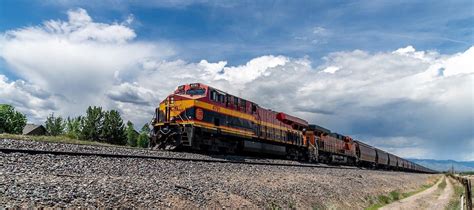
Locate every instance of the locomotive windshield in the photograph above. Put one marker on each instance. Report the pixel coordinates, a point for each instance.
(195, 92)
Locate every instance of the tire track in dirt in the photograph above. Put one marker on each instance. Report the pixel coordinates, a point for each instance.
(432, 198)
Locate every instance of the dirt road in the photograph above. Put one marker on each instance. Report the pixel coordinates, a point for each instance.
(433, 198)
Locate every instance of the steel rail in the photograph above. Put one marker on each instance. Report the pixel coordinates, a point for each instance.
(110, 155)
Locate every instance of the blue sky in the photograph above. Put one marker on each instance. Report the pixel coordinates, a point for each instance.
(237, 31)
(396, 74)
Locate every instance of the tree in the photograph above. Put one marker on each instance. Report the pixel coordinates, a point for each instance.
(92, 124)
(143, 138)
(146, 128)
(11, 121)
(132, 135)
(54, 125)
(113, 130)
(73, 127)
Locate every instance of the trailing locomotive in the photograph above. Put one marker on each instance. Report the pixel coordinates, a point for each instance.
(202, 118)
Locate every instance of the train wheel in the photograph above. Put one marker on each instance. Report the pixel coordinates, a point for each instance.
(172, 142)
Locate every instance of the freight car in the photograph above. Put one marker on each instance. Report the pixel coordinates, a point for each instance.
(201, 118)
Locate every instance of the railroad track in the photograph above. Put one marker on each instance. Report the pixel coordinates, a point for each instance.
(109, 155)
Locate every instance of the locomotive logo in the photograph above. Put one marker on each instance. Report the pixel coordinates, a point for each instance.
(199, 114)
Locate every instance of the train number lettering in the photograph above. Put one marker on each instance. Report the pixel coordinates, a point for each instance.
(216, 108)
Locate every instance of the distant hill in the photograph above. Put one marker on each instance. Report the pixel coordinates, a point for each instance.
(445, 165)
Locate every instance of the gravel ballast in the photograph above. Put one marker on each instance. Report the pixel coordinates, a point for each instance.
(73, 181)
(47, 146)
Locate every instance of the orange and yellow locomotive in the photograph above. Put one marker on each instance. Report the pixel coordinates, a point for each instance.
(199, 117)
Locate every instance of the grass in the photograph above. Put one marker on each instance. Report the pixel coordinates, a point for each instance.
(455, 202)
(393, 196)
(467, 173)
(442, 185)
(54, 139)
(422, 188)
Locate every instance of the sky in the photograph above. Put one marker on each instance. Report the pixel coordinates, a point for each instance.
(398, 75)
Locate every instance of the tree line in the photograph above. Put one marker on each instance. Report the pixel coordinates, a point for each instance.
(11, 121)
(96, 125)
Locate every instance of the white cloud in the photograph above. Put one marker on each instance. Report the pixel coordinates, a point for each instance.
(331, 69)
(389, 99)
(257, 67)
(320, 31)
(27, 98)
(77, 59)
(131, 93)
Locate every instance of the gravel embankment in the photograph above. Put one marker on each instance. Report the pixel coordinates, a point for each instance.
(65, 181)
(24, 144)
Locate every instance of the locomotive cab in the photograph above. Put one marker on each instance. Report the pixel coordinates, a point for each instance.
(194, 90)
(174, 116)
(171, 108)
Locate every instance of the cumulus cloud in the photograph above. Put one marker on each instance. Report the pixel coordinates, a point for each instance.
(413, 103)
(331, 69)
(131, 93)
(78, 58)
(29, 99)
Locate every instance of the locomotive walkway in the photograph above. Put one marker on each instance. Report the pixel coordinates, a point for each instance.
(432, 198)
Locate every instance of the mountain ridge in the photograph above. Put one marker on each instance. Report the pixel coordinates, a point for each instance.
(445, 165)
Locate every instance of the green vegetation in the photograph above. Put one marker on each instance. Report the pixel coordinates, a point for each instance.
(143, 139)
(383, 200)
(53, 139)
(92, 124)
(393, 196)
(442, 185)
(113, 130)
(132, 135)
(11, 121)
(422, 188)
(73, 127)
(467, 173)
(455, 202)
(98, 125)
(54, 125)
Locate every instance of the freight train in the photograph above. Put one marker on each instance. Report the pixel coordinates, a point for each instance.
(202, 118)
